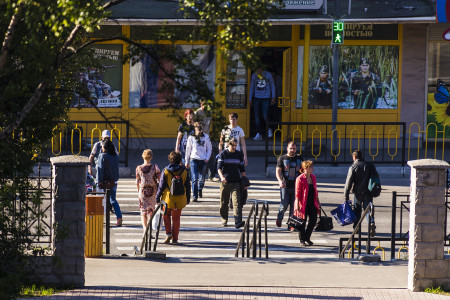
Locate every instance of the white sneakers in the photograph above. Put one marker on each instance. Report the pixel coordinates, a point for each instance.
(257, 137)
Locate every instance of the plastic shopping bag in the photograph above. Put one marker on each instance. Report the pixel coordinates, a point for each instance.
(344, 214)
(155, 220)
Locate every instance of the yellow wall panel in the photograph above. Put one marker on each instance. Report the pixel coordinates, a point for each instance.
(151, 124)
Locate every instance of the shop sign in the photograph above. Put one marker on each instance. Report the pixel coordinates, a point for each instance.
(357, 32)
(443, 11)
(302, 4)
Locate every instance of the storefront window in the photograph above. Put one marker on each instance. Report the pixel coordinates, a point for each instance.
(103, 85)
(438, 104)
(236, 93)
(368, 77)
(147, 79)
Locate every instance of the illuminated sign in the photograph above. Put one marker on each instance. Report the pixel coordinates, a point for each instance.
(338, 32)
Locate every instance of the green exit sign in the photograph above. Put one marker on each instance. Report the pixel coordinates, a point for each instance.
(338, 32)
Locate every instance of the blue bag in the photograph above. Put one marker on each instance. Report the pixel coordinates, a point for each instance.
(344, 214)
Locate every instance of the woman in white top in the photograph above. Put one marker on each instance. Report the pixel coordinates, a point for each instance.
(198, 152)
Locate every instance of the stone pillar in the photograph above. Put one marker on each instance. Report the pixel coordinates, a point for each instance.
(69, 200)
(427, 263)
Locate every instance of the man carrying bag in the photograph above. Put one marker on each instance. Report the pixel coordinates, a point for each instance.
(358, 178)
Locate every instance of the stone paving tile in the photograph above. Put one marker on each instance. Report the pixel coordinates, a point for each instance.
(183, 293)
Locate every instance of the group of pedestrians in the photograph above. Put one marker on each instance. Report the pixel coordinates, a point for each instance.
(298, 190)
(187, 170)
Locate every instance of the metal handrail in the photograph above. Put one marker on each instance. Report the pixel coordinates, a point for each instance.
(147, 236)
(257, 228)
(246, 229)
(356, 229)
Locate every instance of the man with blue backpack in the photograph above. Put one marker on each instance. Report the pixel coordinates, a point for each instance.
(363, 178)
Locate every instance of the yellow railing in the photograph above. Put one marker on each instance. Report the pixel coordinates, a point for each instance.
(404, 247)
(430, 128)
(381, 248)
(379, 138)
(76, 138)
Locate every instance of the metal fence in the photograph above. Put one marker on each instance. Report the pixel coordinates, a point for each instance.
(37, 219)
(334, 142)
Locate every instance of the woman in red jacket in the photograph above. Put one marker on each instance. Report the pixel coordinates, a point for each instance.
(307, 204)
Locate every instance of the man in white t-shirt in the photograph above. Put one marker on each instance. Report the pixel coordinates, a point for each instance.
(233, 131)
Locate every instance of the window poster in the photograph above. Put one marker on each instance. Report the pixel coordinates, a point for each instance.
(368, 77)
(147, 79)
(103, 86)
(438, 102)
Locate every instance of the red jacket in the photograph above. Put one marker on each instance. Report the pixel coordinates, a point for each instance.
(301, 195)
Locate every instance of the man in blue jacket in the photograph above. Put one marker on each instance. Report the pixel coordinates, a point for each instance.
(262, 91)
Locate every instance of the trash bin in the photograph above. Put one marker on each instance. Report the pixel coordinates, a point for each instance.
(94, 226)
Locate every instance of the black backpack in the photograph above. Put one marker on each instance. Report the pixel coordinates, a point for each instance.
(177, 184)
(374, 185)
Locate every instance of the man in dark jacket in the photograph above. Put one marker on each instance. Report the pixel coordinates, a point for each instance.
(358, 177)
(230, 167)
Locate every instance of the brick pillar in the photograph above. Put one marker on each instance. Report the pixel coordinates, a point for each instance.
(427, 263)
(69, 198)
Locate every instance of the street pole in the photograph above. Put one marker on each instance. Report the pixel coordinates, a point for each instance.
(334, 99)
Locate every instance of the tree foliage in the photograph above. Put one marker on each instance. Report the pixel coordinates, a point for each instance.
(44, 48)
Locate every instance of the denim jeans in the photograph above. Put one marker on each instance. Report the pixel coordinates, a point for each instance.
(113, 201)
(363, 199)
(261, 106)
(198, 168)
(287, 199)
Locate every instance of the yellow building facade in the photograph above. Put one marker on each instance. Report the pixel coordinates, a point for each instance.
(295, 55)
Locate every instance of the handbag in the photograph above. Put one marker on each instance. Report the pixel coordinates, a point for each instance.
(295, 222)
(325, 222)
(108, 183)
(344, 214)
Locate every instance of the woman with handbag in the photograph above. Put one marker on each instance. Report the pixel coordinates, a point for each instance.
(108, 174)
(147, 181)
(307, 204)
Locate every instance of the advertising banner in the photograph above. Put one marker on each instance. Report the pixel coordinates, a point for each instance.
(103, 85)
(368, 77)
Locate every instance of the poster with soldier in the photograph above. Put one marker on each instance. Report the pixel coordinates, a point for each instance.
(102, 86)
(368, 77)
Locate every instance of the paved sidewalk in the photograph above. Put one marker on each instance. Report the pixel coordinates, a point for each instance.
(243, 293)
(242, 278)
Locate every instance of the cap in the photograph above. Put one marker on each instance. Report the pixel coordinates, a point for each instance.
(106, 133)
(324, 69)
(364, 61)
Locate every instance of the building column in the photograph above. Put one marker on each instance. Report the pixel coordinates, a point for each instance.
(427, 265)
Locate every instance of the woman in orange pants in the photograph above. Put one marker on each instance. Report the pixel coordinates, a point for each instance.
(174, 179)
